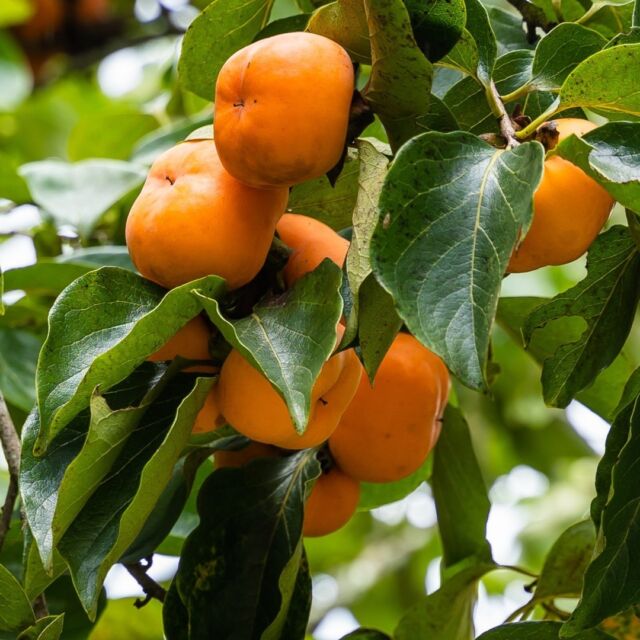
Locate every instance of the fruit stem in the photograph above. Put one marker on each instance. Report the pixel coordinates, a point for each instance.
(530, 129)
(497, 107)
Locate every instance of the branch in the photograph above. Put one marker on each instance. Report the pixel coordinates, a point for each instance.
(150, 587)
(533, 16)
(40, 607)
(507, 129)
(11, 447)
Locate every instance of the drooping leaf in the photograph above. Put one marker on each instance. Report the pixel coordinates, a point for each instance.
(606, 300)
(460, 493)
(15, 609)
(451, 210)
(18, 356)
(232, 566)
(220, 30)
(288, 337)
(87, 346)
(399, 88)
(78, 194)
(539, 630)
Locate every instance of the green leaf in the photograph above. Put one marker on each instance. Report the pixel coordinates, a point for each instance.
(366, 634)
(606, 300)
(333, 205)
(509, 32)
(86, 346)
(611, 583)
(106, 256)
(15, 608)
(464, 56)
(609, 154)
(78, 194)
(289, 24)
(14, 12)
(223, 28)
(116, 512)
(377, 494)
(559, 52)
(109, 135)
(297, 613)
(539, 630)
(255, 510)
(480, 28)
(460, 493)
(447, 613)
(46, 277)
(48, 628)
(12, 185)
(288, 337)
(399, 88)
(18, 356)
(471, 200)
(602, 81)
(15, 77)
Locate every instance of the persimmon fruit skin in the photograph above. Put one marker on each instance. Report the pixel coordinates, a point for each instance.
(209, 418)
(193, 219)
(253, 407)
(311, 241)
(570, 209)
(191, 342)
(390, 428)
(331, 504)
(282, 109)
(225, 459)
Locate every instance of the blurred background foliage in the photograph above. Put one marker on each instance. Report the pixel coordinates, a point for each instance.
(99, 82)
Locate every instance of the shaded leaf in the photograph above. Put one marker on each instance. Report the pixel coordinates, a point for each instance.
(18, 356)
(451, 211)
(15, 608)
(539, 630)
(48, 628)
(366, 634)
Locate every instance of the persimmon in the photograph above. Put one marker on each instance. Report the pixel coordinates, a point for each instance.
(45, 21)
(209, 417)
(331, 504)
(190, 342)
(570, 209)
(193, 219)
(90, 12)
(282, 109)
(389, 428)
(252, 406)
(311, 241)
(241, 457)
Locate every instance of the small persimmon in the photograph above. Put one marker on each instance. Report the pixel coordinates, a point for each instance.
(570, 209)
(311, 241)
(190, 342)
(331, 504)
(193, 219)
(390, 428)
(209, 417)
(282, 109)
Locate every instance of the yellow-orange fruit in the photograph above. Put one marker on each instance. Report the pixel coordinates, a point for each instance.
(331, 504)
(311, 241)
(241, 457)
(46, 19)
(282, 109)
(190, 342)
(209, 417)
(193, 219)
(389, 429)
(569, 210)
(251, 405)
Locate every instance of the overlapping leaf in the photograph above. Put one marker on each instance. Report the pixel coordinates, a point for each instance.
(480, 28)
(15, 609)
(451, 210)
(539, 630)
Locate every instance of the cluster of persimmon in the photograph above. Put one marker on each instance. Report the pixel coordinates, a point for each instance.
(213, 207)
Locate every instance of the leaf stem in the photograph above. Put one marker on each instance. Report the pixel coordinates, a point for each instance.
(150, 587)
(518, 93)
(11, 447)
(497, 107)
(530, 129)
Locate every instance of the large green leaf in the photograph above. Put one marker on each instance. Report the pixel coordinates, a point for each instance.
(78, 194)
(460, 493)
(88, 346)
(288, 337)
(539, 630)
(116, 512)
(612, 582)
(223, 28)
(15, 608)
(241, 562)
(606, 300)
(451, 210)
(399, 88)
(18, 356)
(603, 81)
(609, 154)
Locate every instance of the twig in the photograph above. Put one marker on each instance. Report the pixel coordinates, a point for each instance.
(533, 16)
(40, 608)
(506, 126)
(11, 447)
(150, 587)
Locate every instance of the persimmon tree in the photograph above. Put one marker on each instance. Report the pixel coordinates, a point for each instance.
(469, 125)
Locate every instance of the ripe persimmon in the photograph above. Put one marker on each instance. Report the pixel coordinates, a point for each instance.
(193, 219)
(239, 458)
(389, 428)
(190, 342)
(209, 417)
(282, 109)
(252, 406)
(311, 241)
(331, 504)
(570, 209)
